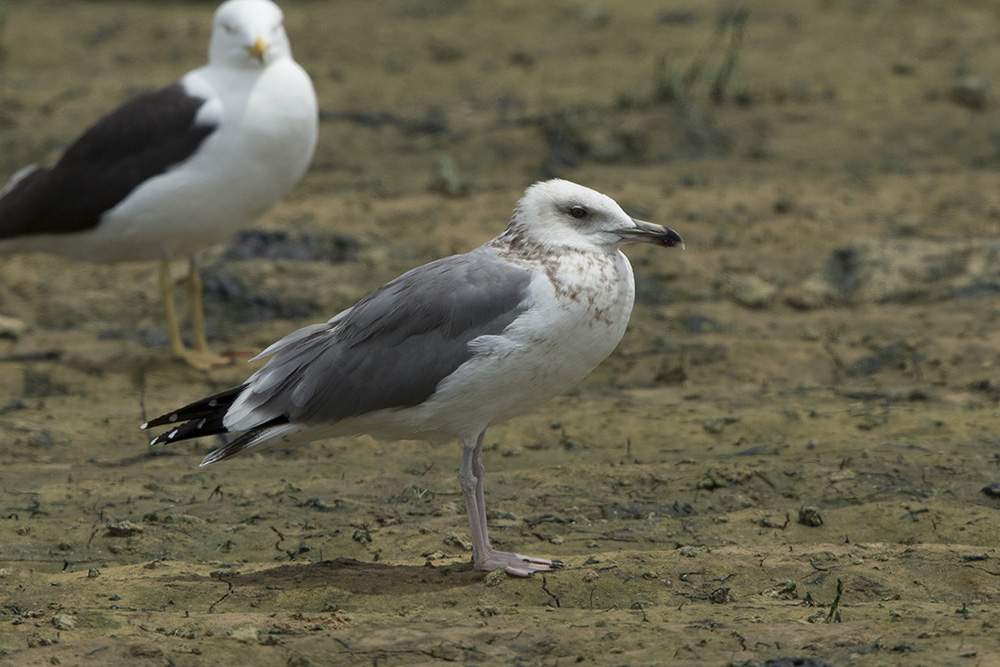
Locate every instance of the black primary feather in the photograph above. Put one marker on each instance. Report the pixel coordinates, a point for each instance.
(244, 441)
(201, 418)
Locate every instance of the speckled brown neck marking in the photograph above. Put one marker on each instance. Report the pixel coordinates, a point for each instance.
(516, 245)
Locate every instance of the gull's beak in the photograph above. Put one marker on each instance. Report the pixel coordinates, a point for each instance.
(649, 232)
(258, 51)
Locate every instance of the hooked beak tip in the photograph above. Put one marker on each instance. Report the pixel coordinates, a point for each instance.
(671, 239)
(648, 232)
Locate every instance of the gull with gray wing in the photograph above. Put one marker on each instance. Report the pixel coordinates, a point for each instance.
(449, 348)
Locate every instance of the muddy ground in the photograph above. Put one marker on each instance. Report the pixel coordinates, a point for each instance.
(789, 456)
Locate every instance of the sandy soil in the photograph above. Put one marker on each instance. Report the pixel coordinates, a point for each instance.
(785, 459)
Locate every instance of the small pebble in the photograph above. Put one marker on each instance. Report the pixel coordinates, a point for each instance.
(496, 577)
(809, 516)
(123, 529)
(453, 539)
(245, 633)
(63, 622)
(991, 490)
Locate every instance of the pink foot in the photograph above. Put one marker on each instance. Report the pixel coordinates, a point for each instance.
(515, 564)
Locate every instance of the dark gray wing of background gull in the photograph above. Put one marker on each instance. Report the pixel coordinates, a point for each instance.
(141, 139)
(449, 348)
(175, 170)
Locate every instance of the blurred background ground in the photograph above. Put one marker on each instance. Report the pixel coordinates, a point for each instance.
(793, 453)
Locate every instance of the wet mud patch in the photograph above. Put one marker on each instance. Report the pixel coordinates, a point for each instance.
(275, 244)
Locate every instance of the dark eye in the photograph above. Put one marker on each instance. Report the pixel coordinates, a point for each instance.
(578, 212)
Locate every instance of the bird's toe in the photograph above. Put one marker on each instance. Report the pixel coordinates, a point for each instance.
(516, 565)
(203, 361)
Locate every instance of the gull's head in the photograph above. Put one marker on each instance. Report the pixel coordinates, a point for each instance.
(248, 34)
(559, 213)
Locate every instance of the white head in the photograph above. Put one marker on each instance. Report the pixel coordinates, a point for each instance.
(248, 34)
(564, 214)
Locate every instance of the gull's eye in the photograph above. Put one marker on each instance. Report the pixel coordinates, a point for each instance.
(228, 27)
(578, 212)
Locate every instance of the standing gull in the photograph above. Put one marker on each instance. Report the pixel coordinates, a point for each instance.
(175, 170)
(449, 348)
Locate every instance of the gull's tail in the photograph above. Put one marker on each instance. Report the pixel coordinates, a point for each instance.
(206, 417)
(201, 418)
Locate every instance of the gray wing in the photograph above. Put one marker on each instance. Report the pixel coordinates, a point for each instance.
(391, 349)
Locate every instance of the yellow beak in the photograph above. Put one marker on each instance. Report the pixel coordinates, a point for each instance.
(258, 51)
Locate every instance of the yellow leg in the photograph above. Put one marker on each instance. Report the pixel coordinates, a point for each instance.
(200, 357)
(177, 350)
(197, 307)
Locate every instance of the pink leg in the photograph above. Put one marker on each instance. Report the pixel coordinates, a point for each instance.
(484, 556)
